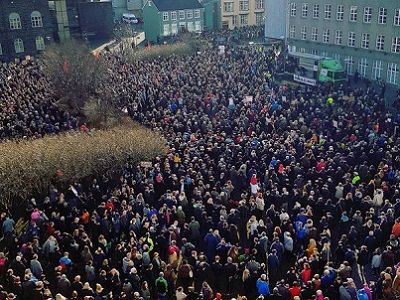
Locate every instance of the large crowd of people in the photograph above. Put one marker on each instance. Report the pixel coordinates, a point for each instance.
(27, 105)
(268, 190)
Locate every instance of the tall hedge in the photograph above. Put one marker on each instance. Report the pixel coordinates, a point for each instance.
(30, 166)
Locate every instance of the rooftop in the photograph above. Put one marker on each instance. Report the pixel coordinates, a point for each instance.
(167, 5)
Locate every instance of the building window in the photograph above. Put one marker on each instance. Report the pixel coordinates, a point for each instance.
(181, 15)
(392, 73)
(165, 16)
(292, 32)
(340, 13)
(190, 26)
(365, 41)
(314, 52)
(259, 4)
(36, 19)
(244, 20)
(189, 14)
(19, 46)
(304, 10)
(292, 9)
(302, 50)
(1, 50)
(352, 39)
(244, 5)
(396, 21)
(349, 62)
(314, 34)
(228, 7)
(328, 11)
(15, 21)
(396, 45)
(380, 42)
(363, 67)
(316, 11)
(173, 15)
(197, 13)
(367, 14)
(40, 43)
(235, 20)
(182, 26)
(324, 54)
(377, 69)
(326, 36)
(338, 37)
(197, 26)
(259, 18)
(382, 17)
(174, 27)
(353, 14)
(304, 33)
(166, 30)
(337, 56)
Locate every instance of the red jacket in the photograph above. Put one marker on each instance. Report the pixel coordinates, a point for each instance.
(295, 291)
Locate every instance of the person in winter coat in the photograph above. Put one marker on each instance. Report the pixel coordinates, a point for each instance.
(378, 198)
(253, 184)
(363, 258)
(306, 273)
(288, 242)
(343, 293)
(211, 241)
(36, 266)
(396, 228)
(319, 295)
(273, 266)
(263, 286)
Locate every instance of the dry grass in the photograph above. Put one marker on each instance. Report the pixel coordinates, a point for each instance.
(29, 166)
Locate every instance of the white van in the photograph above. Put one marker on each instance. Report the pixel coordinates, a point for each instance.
(130, 18)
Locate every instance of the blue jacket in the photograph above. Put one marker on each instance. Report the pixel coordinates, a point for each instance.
(262, 287)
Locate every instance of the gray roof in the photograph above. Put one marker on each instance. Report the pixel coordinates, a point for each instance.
(167, 5)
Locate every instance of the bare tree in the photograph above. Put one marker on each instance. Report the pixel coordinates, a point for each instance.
(79, 77)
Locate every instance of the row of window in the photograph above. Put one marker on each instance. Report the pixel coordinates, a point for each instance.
(171, 29)
(353, 13)
(364, 68)
(20, 48)
(351, 41)
(173, 15)
(15, 20)
(243, 5)
(243, 19)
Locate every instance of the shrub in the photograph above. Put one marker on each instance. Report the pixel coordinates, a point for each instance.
(30, 166)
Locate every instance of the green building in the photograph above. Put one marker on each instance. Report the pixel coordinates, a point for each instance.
(212, 14)
(163, 18)
(363, 34)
